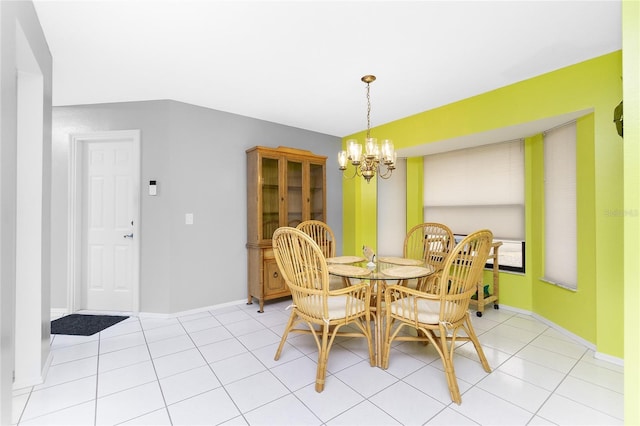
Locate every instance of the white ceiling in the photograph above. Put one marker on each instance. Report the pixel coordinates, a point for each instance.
(299, 63)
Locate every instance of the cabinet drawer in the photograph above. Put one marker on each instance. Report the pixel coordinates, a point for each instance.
(273, 281)
(268, 254)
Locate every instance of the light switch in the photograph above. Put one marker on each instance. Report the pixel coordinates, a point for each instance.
(153, 187)
(188, 218)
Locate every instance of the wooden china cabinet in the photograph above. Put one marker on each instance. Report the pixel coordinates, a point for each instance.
(285, 186)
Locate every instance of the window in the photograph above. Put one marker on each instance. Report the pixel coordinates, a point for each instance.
(480, 187)
(510, 254)
(560, 248)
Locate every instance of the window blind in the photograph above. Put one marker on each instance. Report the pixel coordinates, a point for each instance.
(560, 260)
(476, 188)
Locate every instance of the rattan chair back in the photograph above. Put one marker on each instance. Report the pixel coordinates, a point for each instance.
(461, 272)
(322, 234)
(430, 242)
(304, 269)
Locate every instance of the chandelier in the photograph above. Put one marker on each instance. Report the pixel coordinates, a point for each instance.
(376, 158)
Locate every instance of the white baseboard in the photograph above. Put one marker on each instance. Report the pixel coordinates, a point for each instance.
(565, 332)
(33, 381)
(512, 309)
(62, 312)
(58, 313)
(609, 358)
(168, 315)
(47, 364)
(192, 311)
(572, 336)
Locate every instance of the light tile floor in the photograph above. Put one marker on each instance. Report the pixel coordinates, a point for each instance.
(217, 367)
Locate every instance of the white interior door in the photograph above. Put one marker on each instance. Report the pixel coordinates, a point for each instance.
(109, 211)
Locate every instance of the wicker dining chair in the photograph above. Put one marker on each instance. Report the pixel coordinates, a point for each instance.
(316, 309)
(323, 235)
(430, 242)
(438, 318)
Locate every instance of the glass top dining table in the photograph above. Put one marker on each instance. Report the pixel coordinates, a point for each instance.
(385, 271)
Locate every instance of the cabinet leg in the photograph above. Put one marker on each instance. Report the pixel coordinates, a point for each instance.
(261, 306)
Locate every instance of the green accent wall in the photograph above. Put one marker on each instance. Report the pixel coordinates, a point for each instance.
(631, 91)
(415, 191)
(360, 214)
(593, 312)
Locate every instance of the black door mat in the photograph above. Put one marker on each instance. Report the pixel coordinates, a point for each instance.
(84, 325)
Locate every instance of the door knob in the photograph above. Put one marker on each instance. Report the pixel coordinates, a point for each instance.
(129, 235)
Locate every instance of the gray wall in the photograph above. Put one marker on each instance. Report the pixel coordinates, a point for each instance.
(197, 156)
(23, 14)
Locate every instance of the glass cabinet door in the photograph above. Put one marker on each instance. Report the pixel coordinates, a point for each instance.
(316, 192)
(270, 197)
(294, 193)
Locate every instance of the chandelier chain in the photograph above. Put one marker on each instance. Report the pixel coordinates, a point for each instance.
(368, 113)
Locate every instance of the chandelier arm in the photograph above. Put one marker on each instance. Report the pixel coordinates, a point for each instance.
(387, 174)
(356, 172)
(344, 175)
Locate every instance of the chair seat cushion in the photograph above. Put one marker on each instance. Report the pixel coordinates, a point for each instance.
(337, 305)
(428, 311)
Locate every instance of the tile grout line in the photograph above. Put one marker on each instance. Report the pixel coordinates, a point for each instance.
(155, 371)
(95, 403)
(24, 408)
(568, 375)
(291, 392)
(211, 368)
(32, 390)
(266, 369)
(534, 414)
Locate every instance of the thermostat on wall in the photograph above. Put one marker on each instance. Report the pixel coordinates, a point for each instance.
(153, 189)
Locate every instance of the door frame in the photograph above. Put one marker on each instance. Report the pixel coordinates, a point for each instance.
(74, 227)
